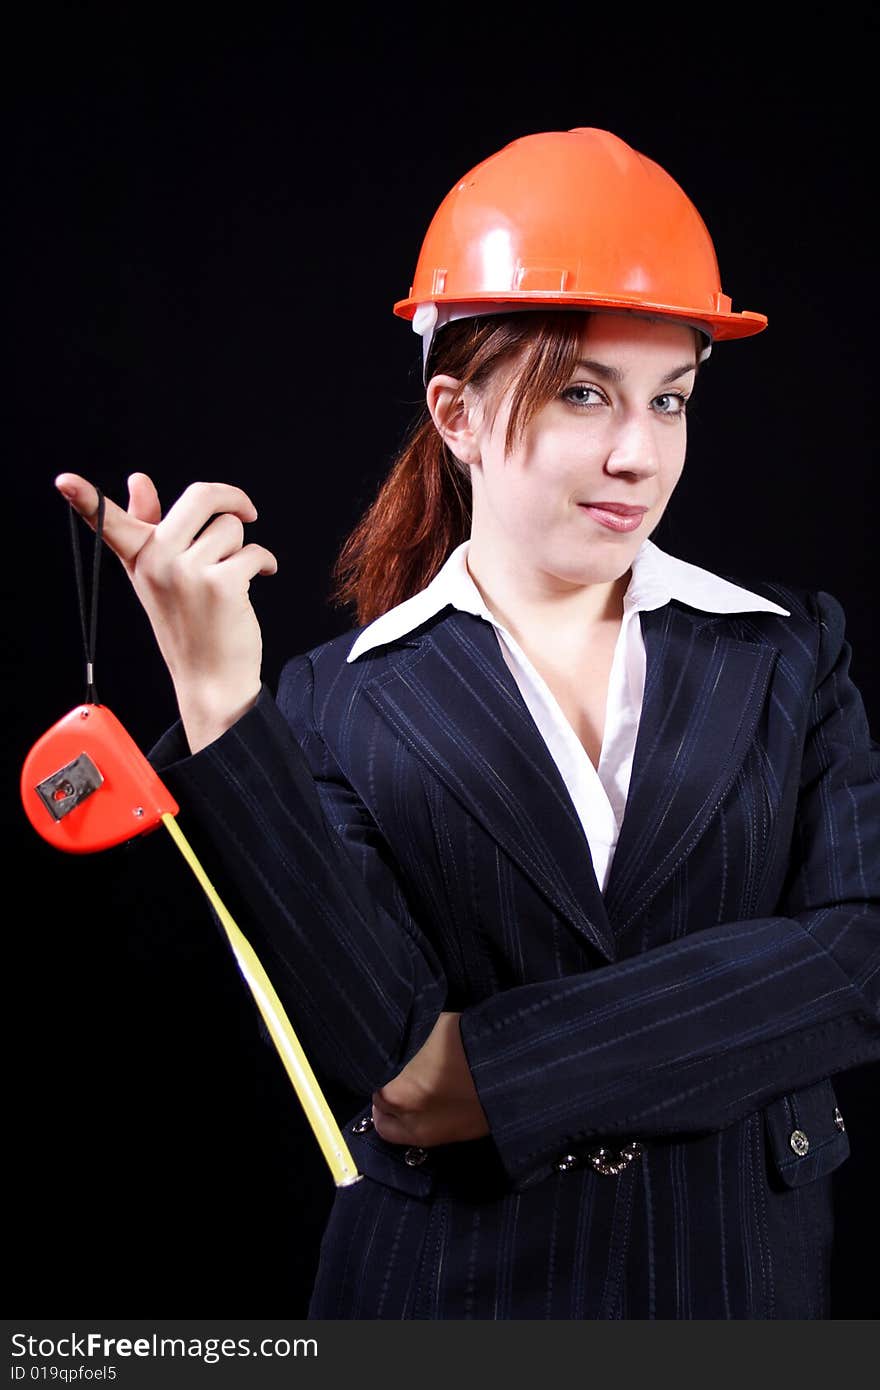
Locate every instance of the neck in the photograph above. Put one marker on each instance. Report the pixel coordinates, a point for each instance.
(531, 602)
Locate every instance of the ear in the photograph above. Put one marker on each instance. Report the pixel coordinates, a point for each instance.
(458, 426)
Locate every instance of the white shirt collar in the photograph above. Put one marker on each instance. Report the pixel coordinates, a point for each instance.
(656, 578)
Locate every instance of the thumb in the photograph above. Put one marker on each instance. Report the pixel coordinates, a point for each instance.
(143, 499)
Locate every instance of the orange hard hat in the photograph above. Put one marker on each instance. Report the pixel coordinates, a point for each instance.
(570, 219)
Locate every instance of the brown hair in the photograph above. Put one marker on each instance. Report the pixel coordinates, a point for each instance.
(423, 507)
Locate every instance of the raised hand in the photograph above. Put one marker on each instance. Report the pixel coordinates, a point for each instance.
(192, 575)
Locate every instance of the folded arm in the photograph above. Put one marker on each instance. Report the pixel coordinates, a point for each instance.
(694, 1034)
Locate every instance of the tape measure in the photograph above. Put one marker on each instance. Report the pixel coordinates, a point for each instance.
(86, 786)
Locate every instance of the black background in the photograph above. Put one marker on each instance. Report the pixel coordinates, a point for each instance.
(211, 219)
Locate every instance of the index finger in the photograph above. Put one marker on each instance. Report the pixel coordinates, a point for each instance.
(195, 507)
(124, 534)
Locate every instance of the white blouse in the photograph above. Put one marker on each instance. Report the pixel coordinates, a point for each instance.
(599, 794)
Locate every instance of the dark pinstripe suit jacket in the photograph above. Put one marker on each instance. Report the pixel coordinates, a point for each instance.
(396, 839)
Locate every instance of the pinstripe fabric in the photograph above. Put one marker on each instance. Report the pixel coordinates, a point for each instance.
(598, 793)
(397, 840)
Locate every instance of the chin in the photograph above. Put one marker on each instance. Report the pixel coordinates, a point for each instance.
(601, 571)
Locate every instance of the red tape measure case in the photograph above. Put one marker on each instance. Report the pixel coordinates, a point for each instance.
(86, 785)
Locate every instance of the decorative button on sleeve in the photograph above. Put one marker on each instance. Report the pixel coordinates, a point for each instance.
(799, 1142)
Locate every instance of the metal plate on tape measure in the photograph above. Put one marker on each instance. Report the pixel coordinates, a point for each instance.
(71, 784)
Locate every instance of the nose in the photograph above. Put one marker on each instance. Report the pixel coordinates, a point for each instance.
(633, 445)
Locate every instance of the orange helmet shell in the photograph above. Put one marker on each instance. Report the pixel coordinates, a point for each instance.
(574, 219)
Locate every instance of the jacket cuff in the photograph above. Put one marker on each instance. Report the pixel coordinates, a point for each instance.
(172, 749)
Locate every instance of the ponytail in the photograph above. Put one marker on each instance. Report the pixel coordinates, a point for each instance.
(421, 512)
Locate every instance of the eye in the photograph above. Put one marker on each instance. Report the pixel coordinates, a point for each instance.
(569, 394)
(671, 403)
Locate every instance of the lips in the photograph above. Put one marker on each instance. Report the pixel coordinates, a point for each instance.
(619, 508)
(623, 520)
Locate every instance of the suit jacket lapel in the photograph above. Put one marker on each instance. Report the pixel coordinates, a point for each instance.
(456, 704)
(704, 692)
(459, 708)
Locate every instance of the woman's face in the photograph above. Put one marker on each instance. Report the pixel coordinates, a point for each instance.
(616, 432)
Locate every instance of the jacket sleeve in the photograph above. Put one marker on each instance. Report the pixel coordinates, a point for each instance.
(310, 880)
(694, 1034)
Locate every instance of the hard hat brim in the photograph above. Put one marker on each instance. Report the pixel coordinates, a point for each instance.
(719, 326)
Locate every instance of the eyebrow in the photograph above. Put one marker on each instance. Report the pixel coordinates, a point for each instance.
(615, 374)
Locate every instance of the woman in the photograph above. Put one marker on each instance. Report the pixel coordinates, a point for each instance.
(564, 861)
